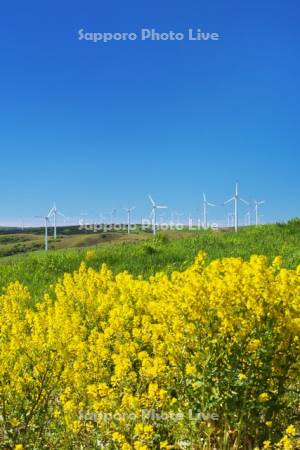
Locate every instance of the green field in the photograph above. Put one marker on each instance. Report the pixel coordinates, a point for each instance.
(140, 253)
(221, 338)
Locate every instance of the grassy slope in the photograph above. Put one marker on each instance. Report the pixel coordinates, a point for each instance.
(13, 244)
(38, 270)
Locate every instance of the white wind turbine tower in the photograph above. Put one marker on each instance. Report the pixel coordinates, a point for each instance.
(230, 220)
(256, 207)
(55, 213)
(155, 207)
(47, 223)
(129, 211)
(236, 198)
(205, 205)
(248, 218)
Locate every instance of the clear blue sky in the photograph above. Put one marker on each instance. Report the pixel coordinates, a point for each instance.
(97, 126)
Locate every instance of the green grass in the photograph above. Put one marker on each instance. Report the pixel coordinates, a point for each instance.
(168, 252)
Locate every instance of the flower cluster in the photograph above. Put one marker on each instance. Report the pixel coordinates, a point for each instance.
(208, 357)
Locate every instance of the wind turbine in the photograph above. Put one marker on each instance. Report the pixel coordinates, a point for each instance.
(236, 198)
(54, 213)
(256, 207)
(129, 211)
(205, 205)
(230, 220)
(47, 223)
(248, 218)
(155, 207)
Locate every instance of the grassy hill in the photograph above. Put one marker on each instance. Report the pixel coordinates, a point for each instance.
(139, 253)
(16, 241)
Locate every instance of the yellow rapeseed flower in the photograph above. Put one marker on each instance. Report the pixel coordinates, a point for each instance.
(129, 359)
(264, 397)
(291, 430)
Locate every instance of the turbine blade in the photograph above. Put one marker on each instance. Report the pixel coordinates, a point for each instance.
(244, 201)
(151, 200)
(230, 200)
(161, 207)
(210, 204)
